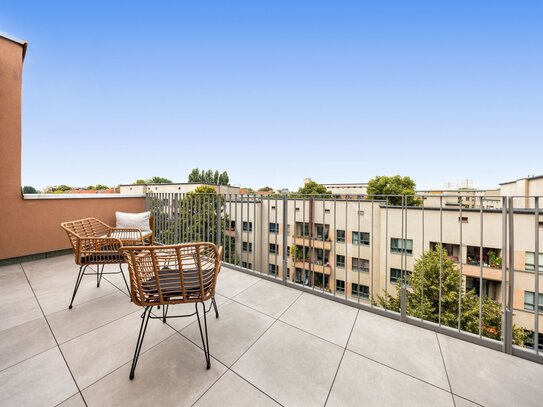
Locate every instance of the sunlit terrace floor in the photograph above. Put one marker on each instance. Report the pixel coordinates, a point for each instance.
(272, 345)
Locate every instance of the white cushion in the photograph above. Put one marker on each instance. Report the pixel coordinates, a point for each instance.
(134, 220)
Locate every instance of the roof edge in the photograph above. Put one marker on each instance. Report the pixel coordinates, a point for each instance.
(11, 38)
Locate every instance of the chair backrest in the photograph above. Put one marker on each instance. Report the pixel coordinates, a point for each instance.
(81, 228)
(173, 274)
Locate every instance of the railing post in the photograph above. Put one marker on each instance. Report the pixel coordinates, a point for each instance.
(508, 328)
(505, 259)
(219, 220)
(175, 219)
(147, 202)
(403, 282)
(285, 236)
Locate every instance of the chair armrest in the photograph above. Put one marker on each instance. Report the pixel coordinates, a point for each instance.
(99, 245)
(129, 236)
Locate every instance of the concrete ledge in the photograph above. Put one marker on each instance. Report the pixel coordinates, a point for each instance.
(81, 196)
(33, 257)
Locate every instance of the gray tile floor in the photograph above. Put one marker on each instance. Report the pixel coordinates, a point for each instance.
(272, 345)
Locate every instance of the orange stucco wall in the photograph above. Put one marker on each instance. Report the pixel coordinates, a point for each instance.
(32, 226)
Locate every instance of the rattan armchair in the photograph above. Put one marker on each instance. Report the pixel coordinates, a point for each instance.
(168, 275)
(96, 244)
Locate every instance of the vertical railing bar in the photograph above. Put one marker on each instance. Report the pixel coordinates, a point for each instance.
(267, 251)
(536, 271)
(460, 257)
(511, 286)
(504, 272)
(255, 226)
(242, 254)
(323, 244)
(403, 301)
(175, 219)
(276, 239)
(422, 261)
(347, 247)
(440, 254)
(284, 234)
(334, 258)
(359, 244)
(303, 242)
(386, 249)
(481, 270)
(372, 243)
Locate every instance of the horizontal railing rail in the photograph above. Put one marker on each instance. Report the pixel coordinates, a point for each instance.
(464, 265)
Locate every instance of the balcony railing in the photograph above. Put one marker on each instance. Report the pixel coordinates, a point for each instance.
(411, 276)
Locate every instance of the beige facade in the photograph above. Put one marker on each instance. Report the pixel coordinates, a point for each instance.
(179, 188)
(522, 189)
(351, 245)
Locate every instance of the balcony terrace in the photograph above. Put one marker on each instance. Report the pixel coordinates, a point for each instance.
(272, 345)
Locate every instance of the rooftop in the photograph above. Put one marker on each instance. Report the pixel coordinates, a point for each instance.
(272, 345)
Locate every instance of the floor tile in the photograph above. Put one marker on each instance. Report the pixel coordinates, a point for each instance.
(410, 349)
(291, 366)
(188, 309)
(490, 377)
(15, 287)
(232, 391)
(362, 382)
(10, 269)
(230, 282)
(461, 402)
(109, 347)
(268, 297)
(43, 380)
(81, 319)
(327, 319)
(19, 312)
(237, 328)
(75, 401)
(171, 373)
(24, 341)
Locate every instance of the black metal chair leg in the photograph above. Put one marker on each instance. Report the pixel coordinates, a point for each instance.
(125, 282)
(99, 273)
(165, 312)
(215, 307)
(205, 343)
(143, 329)
(77, 283)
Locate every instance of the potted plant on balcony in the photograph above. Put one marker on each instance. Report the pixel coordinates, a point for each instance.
(494, 260)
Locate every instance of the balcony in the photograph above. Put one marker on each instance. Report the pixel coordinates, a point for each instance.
(272, 345)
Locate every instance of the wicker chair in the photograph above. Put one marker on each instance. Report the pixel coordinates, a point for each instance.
(96, 244)
(176, 274)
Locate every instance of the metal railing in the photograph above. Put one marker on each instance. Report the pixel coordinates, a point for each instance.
(449, 263)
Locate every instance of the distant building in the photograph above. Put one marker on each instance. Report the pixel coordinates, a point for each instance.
(523, 188)
(175, 188)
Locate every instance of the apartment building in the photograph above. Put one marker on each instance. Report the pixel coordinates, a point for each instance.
(358, 249)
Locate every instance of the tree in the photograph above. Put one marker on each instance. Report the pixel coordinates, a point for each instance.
(397, 186)
(98, 187)
(194, 217)
(314, 189)
(208, 177)
(158, 180)
(423, 298)
(27, 189)
(265, 189)
(140, 182)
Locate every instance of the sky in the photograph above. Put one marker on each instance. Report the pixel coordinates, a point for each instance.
(278, 91)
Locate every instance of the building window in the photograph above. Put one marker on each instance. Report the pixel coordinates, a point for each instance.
(247, 226)
(340, 286)
(340, 235)
(529, 340)
(246, 265)
(463, 219)
(340, 261)
(303, 229)
(274, 248)
(246, 247)
(232, 225)
(322, 232)
(288, 273)
(361, 238)
(362, 265)
(401, 245)
(273, 269)
(274, 228)
(529, 301)
(529, 262)
(359, 290)
(396, 275)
